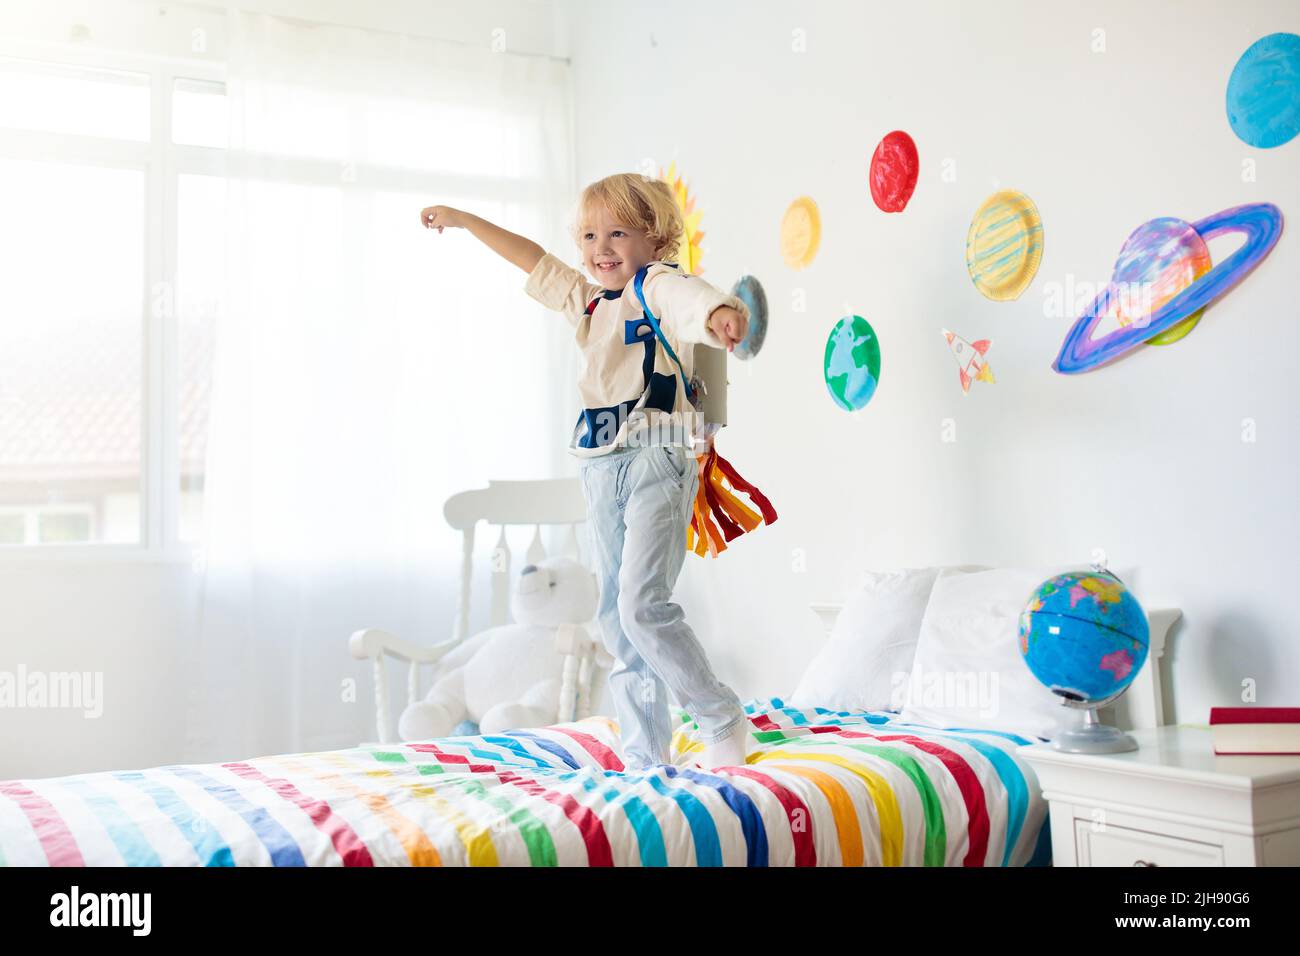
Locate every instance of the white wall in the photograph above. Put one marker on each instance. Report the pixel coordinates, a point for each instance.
(1144, 459)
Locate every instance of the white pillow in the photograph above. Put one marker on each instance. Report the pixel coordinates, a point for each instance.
(968, 671)
(873, 638)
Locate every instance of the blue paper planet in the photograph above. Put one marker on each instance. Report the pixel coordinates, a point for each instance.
(1261, 223)
(1264, 92)
(750, 291)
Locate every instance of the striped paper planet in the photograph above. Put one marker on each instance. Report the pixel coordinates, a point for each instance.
(1004, 245)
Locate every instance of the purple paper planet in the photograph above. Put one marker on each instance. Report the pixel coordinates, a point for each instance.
(1158, 258)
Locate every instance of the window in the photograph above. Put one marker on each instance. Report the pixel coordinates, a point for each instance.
(113, 247)
(58, 98)
(200, 114)
(83, 345)
(71, 346)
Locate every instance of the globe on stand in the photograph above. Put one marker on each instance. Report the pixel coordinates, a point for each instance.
(1085, 637)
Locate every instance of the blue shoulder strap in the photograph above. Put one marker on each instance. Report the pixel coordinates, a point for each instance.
(639, 281)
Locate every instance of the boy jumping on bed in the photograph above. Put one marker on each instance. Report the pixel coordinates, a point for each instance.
(638, 470)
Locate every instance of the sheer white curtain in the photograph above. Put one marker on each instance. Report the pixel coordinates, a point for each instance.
(366, 368)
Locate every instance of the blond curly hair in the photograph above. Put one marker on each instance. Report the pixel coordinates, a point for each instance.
(637, 201)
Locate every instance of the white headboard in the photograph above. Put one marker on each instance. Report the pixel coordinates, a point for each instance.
(1144, 703)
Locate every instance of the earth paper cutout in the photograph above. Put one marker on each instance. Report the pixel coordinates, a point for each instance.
(851, 364)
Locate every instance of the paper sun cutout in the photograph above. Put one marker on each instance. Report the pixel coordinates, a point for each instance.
(689, 252)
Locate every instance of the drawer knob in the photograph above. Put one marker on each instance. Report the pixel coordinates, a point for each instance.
(1144, 863)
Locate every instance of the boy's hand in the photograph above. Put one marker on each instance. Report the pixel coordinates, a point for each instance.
(728, 325)
(515, 249)
(439, 217)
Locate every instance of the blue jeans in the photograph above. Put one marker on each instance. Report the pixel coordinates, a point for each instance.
(638, 504)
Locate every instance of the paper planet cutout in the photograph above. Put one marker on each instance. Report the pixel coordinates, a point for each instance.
(801, 233)
(1160, 259)
(1264, 92)
(1004, 245)
(750, 291)
(852, 362)
(894, 171)
(1261, 223)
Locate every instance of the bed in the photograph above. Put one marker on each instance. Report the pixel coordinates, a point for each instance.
(821, 788)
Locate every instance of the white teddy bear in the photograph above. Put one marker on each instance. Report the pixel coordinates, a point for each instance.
(512, 676)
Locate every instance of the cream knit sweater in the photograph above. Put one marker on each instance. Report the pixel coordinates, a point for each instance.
(629, 387)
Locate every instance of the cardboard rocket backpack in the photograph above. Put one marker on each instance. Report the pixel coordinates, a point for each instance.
(718, 515)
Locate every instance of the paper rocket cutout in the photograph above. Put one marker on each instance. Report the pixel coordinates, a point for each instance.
(970, 360)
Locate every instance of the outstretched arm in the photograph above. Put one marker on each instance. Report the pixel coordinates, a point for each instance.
(522, 251)
(696, 311)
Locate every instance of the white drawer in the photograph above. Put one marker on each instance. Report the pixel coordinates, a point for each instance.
(1123, 846)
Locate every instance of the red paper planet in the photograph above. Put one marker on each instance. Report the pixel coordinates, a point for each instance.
(894, 170)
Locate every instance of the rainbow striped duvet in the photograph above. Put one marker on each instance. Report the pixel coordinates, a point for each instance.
(821, 788)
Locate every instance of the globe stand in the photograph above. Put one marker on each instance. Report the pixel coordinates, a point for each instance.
(1092, 736)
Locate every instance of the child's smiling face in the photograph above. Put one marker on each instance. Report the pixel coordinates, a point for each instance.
(613, 251)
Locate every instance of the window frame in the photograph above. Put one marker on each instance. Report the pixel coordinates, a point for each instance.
(158, 510)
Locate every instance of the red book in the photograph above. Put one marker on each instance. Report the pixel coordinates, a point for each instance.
(1255, 730)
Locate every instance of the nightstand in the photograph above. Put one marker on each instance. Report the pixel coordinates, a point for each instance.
(1171, 802)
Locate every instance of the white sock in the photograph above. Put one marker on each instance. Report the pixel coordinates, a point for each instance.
(728, 751)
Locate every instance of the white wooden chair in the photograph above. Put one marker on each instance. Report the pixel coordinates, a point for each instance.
(549, 502)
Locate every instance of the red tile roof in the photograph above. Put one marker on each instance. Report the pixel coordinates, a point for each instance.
(70, 405)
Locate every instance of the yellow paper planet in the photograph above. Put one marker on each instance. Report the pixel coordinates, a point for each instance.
(801, 232)
(1004, 245)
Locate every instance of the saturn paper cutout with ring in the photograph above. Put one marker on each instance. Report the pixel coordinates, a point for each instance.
(1160, 285)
